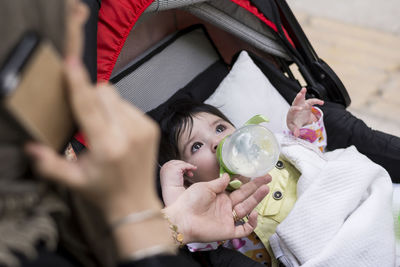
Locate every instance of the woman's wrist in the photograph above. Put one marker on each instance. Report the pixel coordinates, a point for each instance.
(175, 217)
(144, 238)
(159, 230)
(121, 207)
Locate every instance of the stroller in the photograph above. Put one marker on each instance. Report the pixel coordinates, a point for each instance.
(130, 33)
(156, 52)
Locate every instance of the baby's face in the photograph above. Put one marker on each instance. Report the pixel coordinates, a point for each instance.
(199, 146)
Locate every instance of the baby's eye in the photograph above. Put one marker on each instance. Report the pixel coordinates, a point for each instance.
(220, 128)
(196, 146)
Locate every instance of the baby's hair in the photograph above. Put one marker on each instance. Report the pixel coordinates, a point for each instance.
(177, 118)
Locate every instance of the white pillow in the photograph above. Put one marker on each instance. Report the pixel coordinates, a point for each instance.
(246, 92)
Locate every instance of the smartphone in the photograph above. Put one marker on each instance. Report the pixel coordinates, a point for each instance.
(33, 91)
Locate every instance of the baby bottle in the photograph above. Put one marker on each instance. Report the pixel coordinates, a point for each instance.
(251, 151)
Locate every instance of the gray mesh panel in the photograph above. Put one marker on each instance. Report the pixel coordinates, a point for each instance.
(229, 17)
(162, 75)
(246, 26)
(159, 5)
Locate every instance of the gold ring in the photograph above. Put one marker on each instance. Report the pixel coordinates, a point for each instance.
(235, 217)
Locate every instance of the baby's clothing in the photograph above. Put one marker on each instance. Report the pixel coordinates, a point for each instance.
(274, 208)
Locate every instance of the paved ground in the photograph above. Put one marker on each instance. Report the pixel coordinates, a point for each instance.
(364, 51)
(373, 14)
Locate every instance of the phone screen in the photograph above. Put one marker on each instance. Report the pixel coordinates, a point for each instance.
(38, 99)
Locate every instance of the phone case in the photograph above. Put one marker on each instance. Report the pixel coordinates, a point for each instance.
(40, 102)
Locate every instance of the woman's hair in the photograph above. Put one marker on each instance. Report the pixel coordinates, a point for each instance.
(177, 118)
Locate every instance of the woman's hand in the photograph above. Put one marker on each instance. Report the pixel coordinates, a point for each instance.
(300, 113)
(172, 179)
(203, 212)
(117, 172)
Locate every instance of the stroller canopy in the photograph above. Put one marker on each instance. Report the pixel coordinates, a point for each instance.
(117, 18)
(268, 26)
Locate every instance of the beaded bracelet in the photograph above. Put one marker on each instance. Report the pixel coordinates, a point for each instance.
(149, 214)
(178, 237)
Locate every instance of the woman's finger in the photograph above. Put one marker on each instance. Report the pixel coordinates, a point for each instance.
(55, 167)
(110, 101)
(138, 125)
(119, 111)
(248, 227)
(77, 13)
(246, 206)
(248, 189)
(84, 100)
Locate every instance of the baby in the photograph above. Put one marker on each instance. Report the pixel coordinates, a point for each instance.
(337, 189)
(190, 136)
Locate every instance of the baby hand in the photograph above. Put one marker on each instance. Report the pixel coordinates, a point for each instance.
(300, 113)
(172, 179)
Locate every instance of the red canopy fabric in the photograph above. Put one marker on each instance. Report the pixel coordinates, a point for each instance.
(116, 19)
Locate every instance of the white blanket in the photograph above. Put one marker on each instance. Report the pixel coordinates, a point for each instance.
(343, 215)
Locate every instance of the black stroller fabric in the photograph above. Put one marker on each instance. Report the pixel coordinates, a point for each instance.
(321, 79)
(344, 130)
